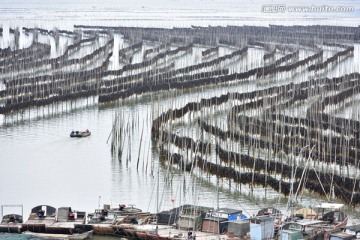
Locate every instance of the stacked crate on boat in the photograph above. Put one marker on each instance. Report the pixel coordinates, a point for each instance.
(238, 228)
(218, 221)
(192, 218)
(262, 227)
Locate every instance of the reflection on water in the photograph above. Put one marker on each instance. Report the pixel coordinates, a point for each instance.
(15, 236)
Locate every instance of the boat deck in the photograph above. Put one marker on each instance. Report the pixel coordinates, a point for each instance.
(38, 221)
(172, 233)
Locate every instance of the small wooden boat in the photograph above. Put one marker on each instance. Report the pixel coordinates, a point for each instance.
(11, 223)
(80, 133)
(75, 236)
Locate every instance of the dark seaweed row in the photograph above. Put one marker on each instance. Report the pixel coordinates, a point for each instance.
(39, 51)
(21, 53)
(232, 34)
(257, 164)
(160, 86)
(127, 83)
(140, 88)
(46, 101)
(269, 55)
(181, 141)
(229, 35)
(83, 60)
(54, 62)
(335, 57)
(209, 51)
(263, 180)
(152, 73)
(155, 50)
(78, 43)
(267, 69)
(19, 84)
(295, 65)
(79, 89)
(331, 44)
(278, 185)
(335, 99)
(280, 141)
(48, 32)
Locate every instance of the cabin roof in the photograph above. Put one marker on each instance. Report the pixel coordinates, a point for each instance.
(198, 208)
(229, 210)
(354, 228)
(330, 205)
(307, 222)
(215, 219)
(342, 235)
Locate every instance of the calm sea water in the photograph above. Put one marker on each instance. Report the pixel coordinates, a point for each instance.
(41, 164)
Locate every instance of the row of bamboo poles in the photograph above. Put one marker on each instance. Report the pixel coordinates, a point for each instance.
(61, 78)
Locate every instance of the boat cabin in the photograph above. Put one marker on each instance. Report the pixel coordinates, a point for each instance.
(171, 216)
(42, 211)
(217, 221)
(11, 222)
(300, 229)
(191, 218)
(331, 212)
(304, 213)
(12, 218)
(262, 227)
(66, 219)
(66, 214)
(40, 217)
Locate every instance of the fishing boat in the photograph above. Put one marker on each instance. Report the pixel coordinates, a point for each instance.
(188, 218)
(75, 236)
(40, 217)
(11, 223)
(128, 226)
(112, 221)
(46, 219)
(66, 221)
(329, 219)
(80, 133)
(301, 229)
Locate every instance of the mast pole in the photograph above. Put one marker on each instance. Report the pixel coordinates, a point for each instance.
(157, 197)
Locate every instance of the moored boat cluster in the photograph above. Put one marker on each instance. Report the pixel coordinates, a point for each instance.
(326, 221)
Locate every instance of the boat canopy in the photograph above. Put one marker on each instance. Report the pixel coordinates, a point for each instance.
(48, 210)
